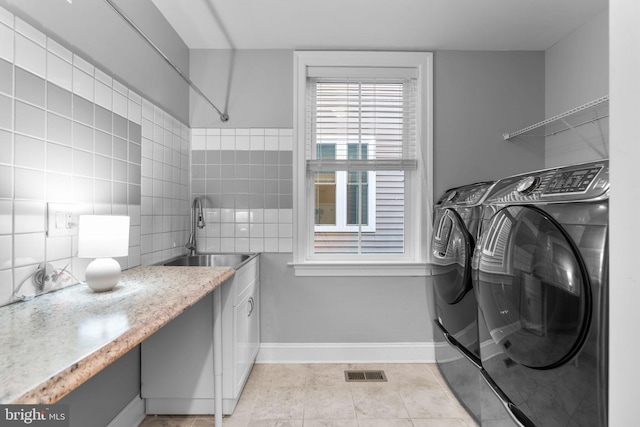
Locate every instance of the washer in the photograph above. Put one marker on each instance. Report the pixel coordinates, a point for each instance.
(540, 275)
(456, 218)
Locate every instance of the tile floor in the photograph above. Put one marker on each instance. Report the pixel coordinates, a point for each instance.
(316, 395)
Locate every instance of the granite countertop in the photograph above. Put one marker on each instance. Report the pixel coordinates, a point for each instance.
(55, 342)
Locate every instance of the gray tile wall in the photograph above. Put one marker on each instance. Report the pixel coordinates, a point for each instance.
(70, 133)
(246, 179)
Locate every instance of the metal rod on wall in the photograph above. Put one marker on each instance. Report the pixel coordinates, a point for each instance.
(223, 115)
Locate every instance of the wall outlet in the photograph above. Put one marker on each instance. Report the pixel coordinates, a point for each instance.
(62, 219)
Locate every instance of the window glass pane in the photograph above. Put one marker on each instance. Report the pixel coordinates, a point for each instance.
(325, 178)
(363, 126)
(357, 188)
(357, 199)
(325, 203)
(326, 151)
(388, 234)
(352, 151)
(325, 183)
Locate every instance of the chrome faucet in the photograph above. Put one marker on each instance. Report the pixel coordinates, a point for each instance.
(197, 220)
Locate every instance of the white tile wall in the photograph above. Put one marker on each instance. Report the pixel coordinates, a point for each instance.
(48, 155)
(30, 55)
(6, 252)
(6, 43)
(6, 276)
(165, 202)
(59, 71)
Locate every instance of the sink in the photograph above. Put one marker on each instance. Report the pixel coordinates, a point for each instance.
(234, 261)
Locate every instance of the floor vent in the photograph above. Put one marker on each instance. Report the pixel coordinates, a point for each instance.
(365, 376)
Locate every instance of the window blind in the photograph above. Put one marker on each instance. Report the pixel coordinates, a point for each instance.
(376, 114)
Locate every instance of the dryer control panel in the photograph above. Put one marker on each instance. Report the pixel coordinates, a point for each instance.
(468, 195)
(582, 182)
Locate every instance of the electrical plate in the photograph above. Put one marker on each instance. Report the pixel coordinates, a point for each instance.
(62, 219)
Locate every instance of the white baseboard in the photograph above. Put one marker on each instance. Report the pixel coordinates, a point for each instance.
(406, 352)
(131, 415)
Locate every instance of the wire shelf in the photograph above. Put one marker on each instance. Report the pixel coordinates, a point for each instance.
(579, 116)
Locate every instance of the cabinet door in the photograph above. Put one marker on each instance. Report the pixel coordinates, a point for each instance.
(177, 361)
(254, 327)
(245, 342)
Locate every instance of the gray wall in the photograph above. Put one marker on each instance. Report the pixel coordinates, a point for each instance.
(340, 309)
(477, 97)
(93, 30)
(258, 85)
(577, 72)
(577, 67)
(98, 401)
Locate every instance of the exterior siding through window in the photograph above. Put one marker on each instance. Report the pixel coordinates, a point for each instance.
(389, 234)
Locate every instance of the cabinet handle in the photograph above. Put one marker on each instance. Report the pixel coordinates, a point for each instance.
(251, 306)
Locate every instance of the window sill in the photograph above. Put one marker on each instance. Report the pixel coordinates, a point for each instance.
(362, 269)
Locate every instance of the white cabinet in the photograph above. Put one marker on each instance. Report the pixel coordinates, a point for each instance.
(177, 361)
(240, 344)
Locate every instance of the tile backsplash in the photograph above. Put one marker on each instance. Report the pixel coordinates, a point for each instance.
(70, 133)
(246, 179)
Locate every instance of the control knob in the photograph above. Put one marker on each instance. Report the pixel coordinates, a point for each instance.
(528, 184)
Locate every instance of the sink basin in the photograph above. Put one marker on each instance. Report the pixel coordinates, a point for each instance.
(234, 261)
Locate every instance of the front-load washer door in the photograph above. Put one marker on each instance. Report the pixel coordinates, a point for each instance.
(532, 288)
(451, 248)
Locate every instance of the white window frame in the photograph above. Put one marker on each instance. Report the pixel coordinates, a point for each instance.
(418, 183)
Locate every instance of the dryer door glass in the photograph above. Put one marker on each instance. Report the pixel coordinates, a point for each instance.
(532, 287)
(451, 248)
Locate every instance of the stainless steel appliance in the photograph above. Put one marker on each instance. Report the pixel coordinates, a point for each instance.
(541, 281)
(456, 218)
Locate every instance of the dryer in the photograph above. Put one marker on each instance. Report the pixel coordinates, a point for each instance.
(540, 275)
(457, 215)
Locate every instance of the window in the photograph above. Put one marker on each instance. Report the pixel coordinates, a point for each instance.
(362, 161)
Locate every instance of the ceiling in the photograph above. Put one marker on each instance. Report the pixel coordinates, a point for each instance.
(377, 24)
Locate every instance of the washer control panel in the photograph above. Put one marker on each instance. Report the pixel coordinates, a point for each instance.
(586, 181)
(575, 181)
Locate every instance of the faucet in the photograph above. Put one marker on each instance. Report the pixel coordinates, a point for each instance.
(197, 220)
